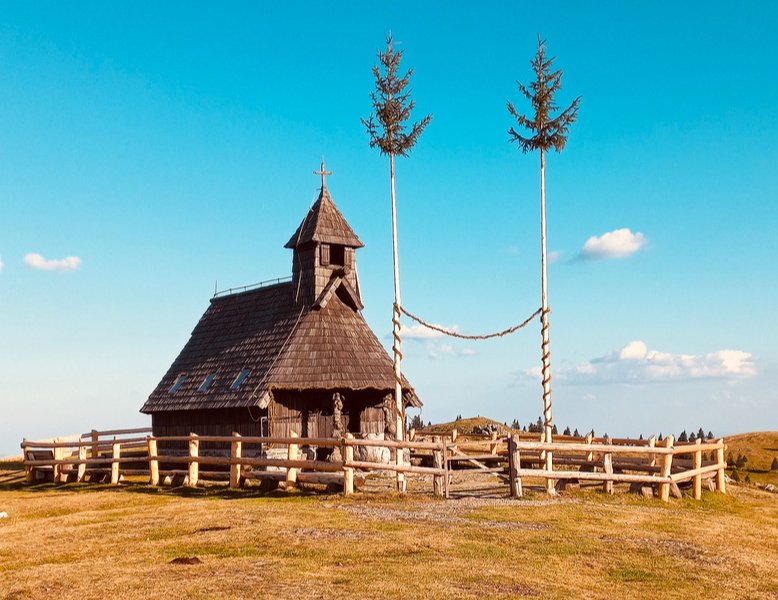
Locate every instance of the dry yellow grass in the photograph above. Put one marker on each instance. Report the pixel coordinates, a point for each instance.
(86, 541)
(761, 447)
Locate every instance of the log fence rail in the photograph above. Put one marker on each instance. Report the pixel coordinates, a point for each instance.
(110, 455)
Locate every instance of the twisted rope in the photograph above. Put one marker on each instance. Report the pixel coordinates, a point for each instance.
(396, 330)
(448, 332)
(546, 369)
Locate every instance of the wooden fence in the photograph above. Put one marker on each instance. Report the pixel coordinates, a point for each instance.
(110, 455)
(125, 453)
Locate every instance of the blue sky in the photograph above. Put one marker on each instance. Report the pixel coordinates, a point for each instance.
(167, 147)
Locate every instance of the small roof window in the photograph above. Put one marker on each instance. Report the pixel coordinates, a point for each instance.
(179, 382)
(206, 383)
(239, 379)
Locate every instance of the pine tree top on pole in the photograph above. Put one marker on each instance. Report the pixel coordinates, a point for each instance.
(392, 106)
(546, 131)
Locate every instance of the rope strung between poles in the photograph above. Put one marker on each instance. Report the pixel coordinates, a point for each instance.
(467, 337)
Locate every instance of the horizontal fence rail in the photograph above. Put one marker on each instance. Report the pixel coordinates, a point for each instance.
(112, 454)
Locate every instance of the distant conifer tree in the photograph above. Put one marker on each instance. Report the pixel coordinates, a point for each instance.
(692, 437)
(575, 433)
(683, 437)
(566, 431)
(546, 132)
(710, 435)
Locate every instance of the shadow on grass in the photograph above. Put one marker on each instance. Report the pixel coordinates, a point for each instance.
(207, 491)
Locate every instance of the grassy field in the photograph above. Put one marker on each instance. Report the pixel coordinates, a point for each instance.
(761, 448)
(88, 541)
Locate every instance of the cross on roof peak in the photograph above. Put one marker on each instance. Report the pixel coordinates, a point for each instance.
(323, 174)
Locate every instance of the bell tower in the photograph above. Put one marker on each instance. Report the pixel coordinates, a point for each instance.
(324, 251)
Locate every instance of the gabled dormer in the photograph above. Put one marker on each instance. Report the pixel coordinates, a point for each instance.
(324, 256)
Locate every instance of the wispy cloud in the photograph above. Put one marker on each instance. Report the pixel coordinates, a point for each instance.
(635, 363)
(438, 350)
(618, 243)
(2, 264)
(419, 332)
(36, 261)
(554, 256)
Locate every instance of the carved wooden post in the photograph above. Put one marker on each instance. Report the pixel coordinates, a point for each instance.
(437, 462)
(652, 457)
(696, 465)
(514, 464)
(347, 452)
(291, 472)
(57, 463)
(153, 461)
(411, 434)
(667, 464)
(454, 434)
(721, 485)
(116, 453)
(82, 463)
(194, 465)
(236, 453)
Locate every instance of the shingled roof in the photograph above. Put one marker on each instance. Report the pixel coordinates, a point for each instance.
(324, 223)
(283, 345)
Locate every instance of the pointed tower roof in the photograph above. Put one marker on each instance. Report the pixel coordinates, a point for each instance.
(324, 223)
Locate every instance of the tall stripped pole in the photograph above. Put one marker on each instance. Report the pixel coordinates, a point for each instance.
(392, 107)
(547, 133)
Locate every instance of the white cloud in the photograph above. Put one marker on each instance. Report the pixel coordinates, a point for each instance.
(618, 243)
(554, 256)
(2, 264)
(635, 363)
(36, 261)
(420, 332)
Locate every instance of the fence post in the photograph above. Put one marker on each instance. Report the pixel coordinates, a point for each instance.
(514, 464)
(446, 474)
(116, 453)
(652, 457)
(194, 466)
(236, 453)
(667, 464)
(549, 466)
(493, 443)
(607, 467)
(721, 485)
(153, 461)
(82, 463)
(454, 434)
(28, 474)
(347, 452)
(291, 472)
(411, 434)
(95, 444)
(590, 454)
(437, 462)
(696, 465)
(58, 452)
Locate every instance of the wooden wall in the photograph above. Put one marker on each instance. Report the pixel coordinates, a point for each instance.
(309, 413)
(223, 421)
